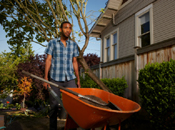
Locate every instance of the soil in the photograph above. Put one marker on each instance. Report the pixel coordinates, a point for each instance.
(28, 123)
(137, 121)
(95, 101)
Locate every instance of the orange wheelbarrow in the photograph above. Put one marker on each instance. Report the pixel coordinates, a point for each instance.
(86, 116)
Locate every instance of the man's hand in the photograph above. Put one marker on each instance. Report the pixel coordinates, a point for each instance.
(46, 84)
(78, 84)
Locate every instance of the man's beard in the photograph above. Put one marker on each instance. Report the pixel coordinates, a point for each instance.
(65, 35)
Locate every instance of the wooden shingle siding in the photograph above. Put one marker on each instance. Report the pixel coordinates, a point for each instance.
(126, 37)
(164, 20)
(130, 9)
(126, 24)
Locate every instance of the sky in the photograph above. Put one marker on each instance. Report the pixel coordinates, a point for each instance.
(93, 46)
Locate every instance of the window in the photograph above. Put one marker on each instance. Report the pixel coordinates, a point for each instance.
(144, 27)
(108, 48)
(111, 46)
(115, 46)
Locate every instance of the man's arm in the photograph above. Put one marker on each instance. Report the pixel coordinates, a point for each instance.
(47, 68)
(75, 65)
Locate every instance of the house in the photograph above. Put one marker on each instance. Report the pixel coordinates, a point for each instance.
(134, 33)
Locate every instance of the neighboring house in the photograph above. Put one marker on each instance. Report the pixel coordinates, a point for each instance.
(134, 33)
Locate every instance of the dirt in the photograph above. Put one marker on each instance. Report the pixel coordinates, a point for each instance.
(96, 99)
(41, 123)
(28, 123)
(135, 122)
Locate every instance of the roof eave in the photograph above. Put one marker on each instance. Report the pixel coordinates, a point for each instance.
(104, 18)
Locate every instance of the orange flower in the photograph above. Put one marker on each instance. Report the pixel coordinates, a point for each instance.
(7, 102)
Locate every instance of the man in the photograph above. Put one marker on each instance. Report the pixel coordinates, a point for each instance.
(62, 63)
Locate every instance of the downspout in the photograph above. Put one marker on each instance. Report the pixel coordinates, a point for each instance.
(113, 19)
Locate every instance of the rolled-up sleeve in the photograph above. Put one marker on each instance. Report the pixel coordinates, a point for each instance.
(75, 52)
(49, 48)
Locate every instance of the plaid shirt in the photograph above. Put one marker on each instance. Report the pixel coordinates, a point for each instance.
(62, 56)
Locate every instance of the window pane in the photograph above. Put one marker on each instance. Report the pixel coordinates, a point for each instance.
(108, 54)
(145, 27)
(115, 51)
(107, 42)
(145, 40)
(115, 38)
(144, 18)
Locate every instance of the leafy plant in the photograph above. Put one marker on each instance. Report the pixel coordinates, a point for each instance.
(2, 106)
(18, 106)
(25, 87)
(116, 85)
(157, 93)
(35, 65)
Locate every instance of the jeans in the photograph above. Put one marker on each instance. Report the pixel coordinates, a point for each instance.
(54, 104)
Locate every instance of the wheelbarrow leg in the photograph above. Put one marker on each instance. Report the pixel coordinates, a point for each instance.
(106, 127)
(119, 125)
(70, 123)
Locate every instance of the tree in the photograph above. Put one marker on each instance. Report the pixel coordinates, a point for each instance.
(8, 67)
(30, 20)
(44, 20)
(35, 65)
(79, 10)
(21, 50)
(7, 73)
(91, 59)
(25, 87)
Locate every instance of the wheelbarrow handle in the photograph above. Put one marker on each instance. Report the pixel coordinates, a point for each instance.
(63, 88)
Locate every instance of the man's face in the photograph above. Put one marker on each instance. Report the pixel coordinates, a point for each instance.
(66, 30)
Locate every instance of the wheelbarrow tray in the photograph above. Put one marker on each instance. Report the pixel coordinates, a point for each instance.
(89, 116)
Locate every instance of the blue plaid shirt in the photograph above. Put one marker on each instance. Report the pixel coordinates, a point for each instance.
(62, 56)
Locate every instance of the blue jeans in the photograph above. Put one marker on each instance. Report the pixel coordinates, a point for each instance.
(54, 104)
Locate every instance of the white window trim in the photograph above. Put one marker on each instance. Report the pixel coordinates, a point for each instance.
(106, 48)
(149, 9)
(101, 50)
(110, 35)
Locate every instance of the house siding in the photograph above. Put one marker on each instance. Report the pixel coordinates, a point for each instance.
(164, 20)
(162, 49)
(126, 37)
(130, 9)
(125, 20)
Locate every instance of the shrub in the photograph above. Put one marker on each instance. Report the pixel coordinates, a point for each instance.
(157, 93)
(116, 85)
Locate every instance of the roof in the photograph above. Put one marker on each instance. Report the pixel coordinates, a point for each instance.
(103, 20)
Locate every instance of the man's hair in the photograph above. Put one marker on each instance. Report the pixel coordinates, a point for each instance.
(64, 23)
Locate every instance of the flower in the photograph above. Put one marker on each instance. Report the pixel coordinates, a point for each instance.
(7, 102)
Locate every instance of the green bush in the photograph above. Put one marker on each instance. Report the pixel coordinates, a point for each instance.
(157, 93)
(116, 85)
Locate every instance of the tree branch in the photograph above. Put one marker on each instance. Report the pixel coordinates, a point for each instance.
(38, 24)
(62, 8)
(78, 18)
(39, 43)
(54, 15)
